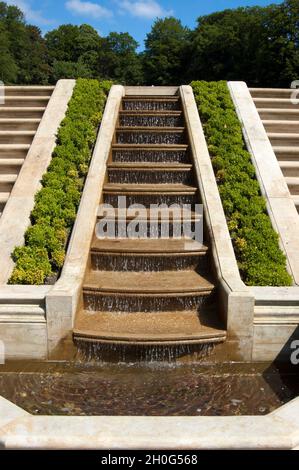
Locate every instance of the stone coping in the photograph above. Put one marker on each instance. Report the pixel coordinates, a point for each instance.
(237, 298)
(16, 215)
(281, 207)
(277, 430)
(62, 300)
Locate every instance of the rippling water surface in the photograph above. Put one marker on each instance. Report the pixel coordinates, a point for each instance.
(147, 389)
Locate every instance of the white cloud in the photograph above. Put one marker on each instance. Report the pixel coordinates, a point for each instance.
(148, 9)
(78, 7)
(31, 15)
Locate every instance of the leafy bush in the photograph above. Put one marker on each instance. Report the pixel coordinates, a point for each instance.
(56, 204)
(256, 244)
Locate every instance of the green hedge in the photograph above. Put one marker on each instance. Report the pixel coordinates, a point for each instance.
(57, 202)
(256, 244)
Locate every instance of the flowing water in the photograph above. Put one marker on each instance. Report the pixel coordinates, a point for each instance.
(155, 156)
(147, 389)
(150, 121)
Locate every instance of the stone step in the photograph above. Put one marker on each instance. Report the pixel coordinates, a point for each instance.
(284, 139)
(149, 188)
(10, 165)
(150, 154)
(148, 255)
(271, 92)
(150, 174)
(25, 101)
(29, 90)
(156, 328)
(153, 214)
(14, 150)
(22, 112)
(293, 184)
(7, 182)
(148, 194)
(16, 137)
(286, 153)
(296, 201)
(281, 103)
(147, 119)
(281, 126)
(160, 103)
(4, 197)
(279, 114)
(139, 283)
(13, 124)
(150, 136)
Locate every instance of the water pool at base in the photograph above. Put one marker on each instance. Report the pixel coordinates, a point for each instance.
(155, 389)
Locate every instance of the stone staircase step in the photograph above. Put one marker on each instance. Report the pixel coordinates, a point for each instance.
(150, 136)
(296, 201)
(149, 166)
(148, 255)
(26, 101)
(144, 247)
(148, 329)
(130, 214)
(293, 184)
(25, 112)
(158, 283)
(143, 119)
(29, 90)
(148, 154)
(281, 103)
(14, 124)
(14, 150)
(271, 92)
(161, 103)
(16, 137)
(10, 165)
(276, 114)
(4, 197)
(150, 174)
(7, 182)
(281, 139)
(289, 168)
(281, 126)
(286, 152)
(149, 188)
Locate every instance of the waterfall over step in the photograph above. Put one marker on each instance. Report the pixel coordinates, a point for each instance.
(155, 288)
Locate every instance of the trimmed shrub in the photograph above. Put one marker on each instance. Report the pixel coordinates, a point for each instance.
(260, 259)
(56, 204)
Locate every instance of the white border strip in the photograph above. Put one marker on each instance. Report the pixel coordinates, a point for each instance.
(278, 430)
(280, 205)
(237, 298)
(62, 300)
(16, 215)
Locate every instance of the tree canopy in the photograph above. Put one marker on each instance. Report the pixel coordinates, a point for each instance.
(257, 44)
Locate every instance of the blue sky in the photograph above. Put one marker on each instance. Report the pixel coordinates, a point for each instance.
(133, 16)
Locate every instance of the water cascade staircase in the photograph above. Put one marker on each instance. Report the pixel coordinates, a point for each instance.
(20, 115)
(279, 113)
(150, 291)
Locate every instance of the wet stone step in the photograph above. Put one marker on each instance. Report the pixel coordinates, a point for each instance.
(97, 301)
(135, 120)
(147, 199)
(158, 137)
(142, 154)
(150, 176)
(150, 104)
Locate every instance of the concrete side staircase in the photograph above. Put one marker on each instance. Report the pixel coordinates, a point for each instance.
(280, 116)
(20, 115)
(150, 291)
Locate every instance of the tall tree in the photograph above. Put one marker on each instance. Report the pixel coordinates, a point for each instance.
(8, 67)
(118, 59)
(166, 52)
